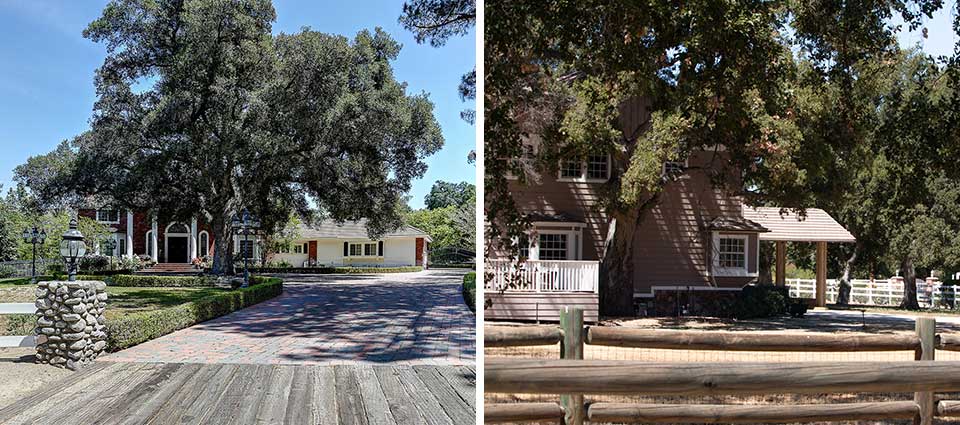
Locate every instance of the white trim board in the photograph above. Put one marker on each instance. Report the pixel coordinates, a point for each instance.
(18, 308)
(18, 341)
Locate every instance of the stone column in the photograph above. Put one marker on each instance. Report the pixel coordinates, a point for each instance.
(129, 252)
(155, 248)
(192, 245)
(71, 328)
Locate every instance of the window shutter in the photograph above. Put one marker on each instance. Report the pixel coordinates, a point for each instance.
(380, 248)
(346, 249)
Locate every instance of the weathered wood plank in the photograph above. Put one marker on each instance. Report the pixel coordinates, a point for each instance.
(464, 381)
(237, 397)
(187, 404)
(727, 413)
(744, 341)
(274, 400)
(494, 413)
(451, 402)
(398, 399)
(516, 336)
(643, 378)
(349, 402)
(202, 408)
(299, 409)
(374, 400)
(948, 408)
(50, 406)
(324, 406)
(926, 328)
(47, 391)
(110, 394)
(140, 411)
(426, 403)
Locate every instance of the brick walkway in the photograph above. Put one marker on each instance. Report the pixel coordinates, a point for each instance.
(409, 318)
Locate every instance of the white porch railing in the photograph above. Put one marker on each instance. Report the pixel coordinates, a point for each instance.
(543, 276)
(879, 292)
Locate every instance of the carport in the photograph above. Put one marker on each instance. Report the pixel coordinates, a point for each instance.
(786, 226)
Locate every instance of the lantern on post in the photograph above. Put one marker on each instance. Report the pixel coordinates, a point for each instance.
(245, 224)
(34, 237)
(110, 244)
(72, 248)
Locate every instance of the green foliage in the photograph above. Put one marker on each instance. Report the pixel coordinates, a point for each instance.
(276, 124)
(133, 329)
(439, 224)
(158, 281)
(470, 290)
(761, 301)
(17, 324)
(7, 271)
(335, 270)
(444, 194)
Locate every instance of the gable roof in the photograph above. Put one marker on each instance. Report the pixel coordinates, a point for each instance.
(736, 224)
(817, 226)
(329, 229)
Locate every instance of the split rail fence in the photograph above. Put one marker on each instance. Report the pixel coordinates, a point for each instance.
(574, 377)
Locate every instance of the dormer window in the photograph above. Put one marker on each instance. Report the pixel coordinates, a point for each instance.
(108, 216)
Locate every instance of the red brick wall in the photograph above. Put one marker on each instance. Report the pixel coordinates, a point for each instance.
(419, 251)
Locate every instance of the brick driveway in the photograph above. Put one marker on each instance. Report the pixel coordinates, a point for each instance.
(407, 318)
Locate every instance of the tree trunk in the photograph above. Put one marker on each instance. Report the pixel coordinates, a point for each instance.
(223, 254)
(909, 285)
(843, 294)
(616, 267)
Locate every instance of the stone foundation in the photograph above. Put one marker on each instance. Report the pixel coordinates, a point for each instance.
(71, 328)
(693, 303)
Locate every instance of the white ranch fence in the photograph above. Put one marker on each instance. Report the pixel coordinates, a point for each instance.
(21, 340)
(543, 276)
(879, 292)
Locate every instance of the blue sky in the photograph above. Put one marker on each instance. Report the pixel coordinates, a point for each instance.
(47, 68)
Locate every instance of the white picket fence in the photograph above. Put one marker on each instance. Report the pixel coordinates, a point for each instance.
(878, 292)
(543, 276)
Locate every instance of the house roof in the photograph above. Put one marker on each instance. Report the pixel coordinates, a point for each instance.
(736, 224)
(329, 229)
(817, 226)
(560, 217)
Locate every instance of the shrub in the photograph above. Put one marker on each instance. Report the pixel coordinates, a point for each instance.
(470, 290)
(94, 263)
(7, 271)
(759, 301)
(332, 270)
(136, 328)
(159, 281)
(55, 269)
(18, 324)
(282, 264)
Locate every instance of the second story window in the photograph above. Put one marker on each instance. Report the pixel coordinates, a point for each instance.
(673, 169)
(108, 216)
(594, 168)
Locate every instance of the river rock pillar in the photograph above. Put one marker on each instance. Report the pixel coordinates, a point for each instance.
(71, 330)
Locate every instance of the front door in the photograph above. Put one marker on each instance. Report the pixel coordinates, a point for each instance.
(312, 248)
(177, 250)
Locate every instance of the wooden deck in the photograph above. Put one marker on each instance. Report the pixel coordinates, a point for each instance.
(168, 393)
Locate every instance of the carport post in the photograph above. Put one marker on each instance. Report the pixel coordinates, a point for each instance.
(821, 296)
(781, 263)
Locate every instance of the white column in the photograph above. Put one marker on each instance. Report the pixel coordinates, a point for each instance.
(192, 246)
(129, 242)
(154, 249)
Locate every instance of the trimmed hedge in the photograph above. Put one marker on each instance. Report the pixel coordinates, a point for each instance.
(140, 281)
(470, 290)
(137, 328)
(335, 270)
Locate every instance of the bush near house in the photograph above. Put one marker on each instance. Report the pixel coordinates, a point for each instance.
(136, 328)
(761, 301)
(470, 290)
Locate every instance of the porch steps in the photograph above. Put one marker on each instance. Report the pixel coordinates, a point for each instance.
(172, 269)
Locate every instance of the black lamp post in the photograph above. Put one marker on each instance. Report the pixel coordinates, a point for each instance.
(72, 248)
(245, 224)
(34, 237)
(110, 244)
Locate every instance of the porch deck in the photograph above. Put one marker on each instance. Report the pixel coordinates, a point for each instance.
(536, 290)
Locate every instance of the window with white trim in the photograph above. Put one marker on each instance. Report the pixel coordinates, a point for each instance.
(362, 249)
(522, 163)
(246, 248)
(204, 244)
(732, 252)
(108, 216)
(298, 249)
(673, 169)
(593, 168)
(553, 246)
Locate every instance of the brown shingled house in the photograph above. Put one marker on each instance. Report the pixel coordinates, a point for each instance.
(699, 237)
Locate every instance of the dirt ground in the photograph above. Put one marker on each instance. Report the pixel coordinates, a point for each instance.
(19, 375)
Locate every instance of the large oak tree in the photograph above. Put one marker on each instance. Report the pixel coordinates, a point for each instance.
(201, 110)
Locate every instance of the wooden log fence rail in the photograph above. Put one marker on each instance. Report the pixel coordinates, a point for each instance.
(572, 377)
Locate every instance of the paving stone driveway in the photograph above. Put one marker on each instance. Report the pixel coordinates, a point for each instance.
(404, 318)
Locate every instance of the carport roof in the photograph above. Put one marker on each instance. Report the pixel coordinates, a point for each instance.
(817, 226)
